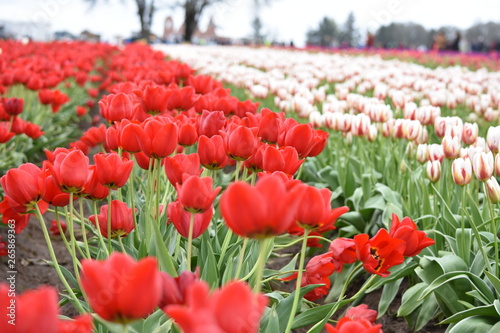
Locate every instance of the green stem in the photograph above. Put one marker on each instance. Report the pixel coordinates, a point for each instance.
(98, 228)
(493, 229)
(110, 249)
(237, 170)
(299, 282)
(261, 261)
(71, 229)
(121, 244)
(190, 241)
(124, 328)
(225, 245)
(242, 256)
(61, 231)
(84, 229)
(76, 301)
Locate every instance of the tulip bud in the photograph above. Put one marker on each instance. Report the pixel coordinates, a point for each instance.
(470, 133)
(436, 152)
(451, 146)
(483, 164)
(433, 170)
(493, 190)
(422, 153)
(461, 170)
(493, 138)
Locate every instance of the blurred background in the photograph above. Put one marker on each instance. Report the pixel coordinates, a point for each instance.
(394, 24)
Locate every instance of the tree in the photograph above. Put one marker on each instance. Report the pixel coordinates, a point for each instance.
(349, 35)
(326, 35)
(193, 10)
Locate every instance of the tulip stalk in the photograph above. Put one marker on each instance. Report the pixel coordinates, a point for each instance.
(299, 281)
(110, 249)
(241, 257)
(190, 240)
(493, 229)
(84, 229)
(76, 301)
(261, 261)
(99, 233)
(71, 230)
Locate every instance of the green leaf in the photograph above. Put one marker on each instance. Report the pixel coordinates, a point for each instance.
(273, 323)
(426, 312)
(314, 315)
(494, 281)
(486, 310)
(397, 272)
(475, 281)
(388, 293)
(476, 324)
(284, 307)
(411, 299)
(208, 265)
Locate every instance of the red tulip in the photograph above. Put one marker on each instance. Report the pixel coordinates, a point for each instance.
(5, 135)
(347, 325)
(122, 219)
(211, 122)
(285, 159)
(33, 131)
(181, 219)
(379, 253)
(269, 125)
(406, 230)
(175, 289)
(54, 228)
(8, 214)
(81, 324)
(21, 187)
(343, 252)
(299, 136)
(234, 308)
(112, 170)
(154, 99)
(117, 107)
(32, 312)
(158, 138)
(212, 152)
(256, 163)
(13, 106)
(129, 134)
(70, 170)
(264, 210)
(196, 194)
(318, 271)
(361, 311)
(180, 164)
(119, 289)
(188, 134)
(240, 142)
(314, 211)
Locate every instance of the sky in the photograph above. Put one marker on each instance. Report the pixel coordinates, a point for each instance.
(283, 20)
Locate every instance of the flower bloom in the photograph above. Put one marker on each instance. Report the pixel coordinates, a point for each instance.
(13, 106)
(181, 219)
(451, 146)
(120, 289)
(406, 230)
(240, 142)
(175, 289)
(470, 133)
(34, 311)
(181, 164)
(232, 308)
(122, 219)
(264, 210)
(348, 325)
(196, 194)
(285, 159)
(21, 187)
(483, 165)
(343, 252)
(362, 312)
(112, 170)
(493, 190)
(70, 170)
(212, 152)
(434, 170)
(380, 252)
(461, 170)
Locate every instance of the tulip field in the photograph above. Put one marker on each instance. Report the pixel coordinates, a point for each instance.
(237, 189)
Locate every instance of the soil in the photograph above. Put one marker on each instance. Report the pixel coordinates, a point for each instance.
(33, 271)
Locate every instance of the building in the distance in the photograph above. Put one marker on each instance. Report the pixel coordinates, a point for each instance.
(209, 36)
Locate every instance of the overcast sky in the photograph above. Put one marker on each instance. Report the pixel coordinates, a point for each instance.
(283, 20)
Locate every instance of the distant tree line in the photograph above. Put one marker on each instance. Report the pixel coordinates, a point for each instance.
(480, 37)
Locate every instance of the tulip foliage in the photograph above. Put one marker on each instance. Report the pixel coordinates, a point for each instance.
(198, 194)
